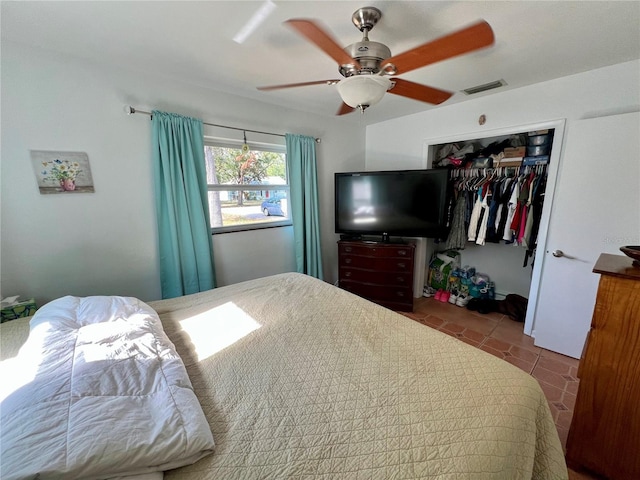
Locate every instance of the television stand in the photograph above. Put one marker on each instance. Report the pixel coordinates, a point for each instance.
(380, 272)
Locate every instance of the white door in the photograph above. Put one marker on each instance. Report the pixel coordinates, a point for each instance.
(596, 209)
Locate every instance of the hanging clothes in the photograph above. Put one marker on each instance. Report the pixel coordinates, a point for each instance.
(484, 217)
(497, 205)
(527, 222)
(494, 206)
(537, 203)
(503, 209)
(475, 217)
(511, 212)
(524, 203)
(457, 238)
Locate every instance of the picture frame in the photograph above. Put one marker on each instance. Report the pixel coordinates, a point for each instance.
(62, 172)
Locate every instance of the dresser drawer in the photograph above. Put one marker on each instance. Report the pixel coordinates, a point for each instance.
(376, 263)
(402, 306)
(378, 292)
(376, 277)
(375, 250)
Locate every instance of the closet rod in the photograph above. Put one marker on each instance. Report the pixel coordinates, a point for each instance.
(129, 110)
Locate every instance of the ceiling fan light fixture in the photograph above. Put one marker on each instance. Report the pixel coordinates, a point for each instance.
(361, 91)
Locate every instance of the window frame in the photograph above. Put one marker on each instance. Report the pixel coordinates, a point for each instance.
(254, 146)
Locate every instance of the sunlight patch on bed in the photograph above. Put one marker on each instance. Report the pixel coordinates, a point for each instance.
(218, 328)
(16, 373)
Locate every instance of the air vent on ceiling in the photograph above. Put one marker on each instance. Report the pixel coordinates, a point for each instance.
(485, 87)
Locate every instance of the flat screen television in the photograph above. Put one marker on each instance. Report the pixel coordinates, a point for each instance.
(411, 203)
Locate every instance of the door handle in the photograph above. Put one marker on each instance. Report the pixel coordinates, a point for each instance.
(560, 253)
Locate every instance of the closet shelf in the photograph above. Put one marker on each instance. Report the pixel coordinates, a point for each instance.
(528, 149)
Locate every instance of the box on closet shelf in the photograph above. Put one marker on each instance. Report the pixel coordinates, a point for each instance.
(537, 150)
(538, 132)
(514, 152)
(538, 144)
(532, 161)
(510, 162)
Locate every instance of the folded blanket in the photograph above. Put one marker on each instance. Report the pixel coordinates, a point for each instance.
(98, 391)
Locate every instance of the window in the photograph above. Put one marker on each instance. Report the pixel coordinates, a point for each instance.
(248, 188)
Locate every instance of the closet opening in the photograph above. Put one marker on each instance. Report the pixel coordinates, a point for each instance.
(502, 186)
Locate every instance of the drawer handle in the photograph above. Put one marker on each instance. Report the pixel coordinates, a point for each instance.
(402, 252)
(347, 260)
(402, 265)
(347, 274)
(400, 294)
(400, 279)
(347, 249)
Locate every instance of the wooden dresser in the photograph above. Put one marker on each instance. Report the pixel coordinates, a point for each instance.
(605, 431)
(380, 272)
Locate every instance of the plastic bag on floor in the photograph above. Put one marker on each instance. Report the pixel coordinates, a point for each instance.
(440, 268)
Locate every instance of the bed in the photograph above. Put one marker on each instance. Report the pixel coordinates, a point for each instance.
(299, 379)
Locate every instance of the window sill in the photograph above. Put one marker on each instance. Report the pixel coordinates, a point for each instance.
(248, 228)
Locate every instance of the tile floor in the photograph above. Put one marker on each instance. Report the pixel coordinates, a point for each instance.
(499, 335)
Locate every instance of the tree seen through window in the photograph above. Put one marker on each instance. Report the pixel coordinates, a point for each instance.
(246, 187)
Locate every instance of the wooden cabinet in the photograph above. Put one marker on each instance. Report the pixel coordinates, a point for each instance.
(380, 272)
(605, 431)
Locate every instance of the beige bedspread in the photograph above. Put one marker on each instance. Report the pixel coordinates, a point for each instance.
(299, 379)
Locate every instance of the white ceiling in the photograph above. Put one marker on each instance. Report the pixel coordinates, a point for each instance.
(193, 41)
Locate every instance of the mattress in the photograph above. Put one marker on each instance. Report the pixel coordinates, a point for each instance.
(300, 379)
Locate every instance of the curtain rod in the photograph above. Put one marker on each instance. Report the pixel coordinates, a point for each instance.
(129, 110)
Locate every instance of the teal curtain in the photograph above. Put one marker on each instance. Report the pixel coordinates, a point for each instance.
(303, 200)
(182, 206)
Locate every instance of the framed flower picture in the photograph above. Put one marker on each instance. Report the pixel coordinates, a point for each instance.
(62, 172)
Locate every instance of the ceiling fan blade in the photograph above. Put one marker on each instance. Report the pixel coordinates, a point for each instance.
(468, 39)
(303, 84)
(419, 92)
(322, 40)
(344, 108)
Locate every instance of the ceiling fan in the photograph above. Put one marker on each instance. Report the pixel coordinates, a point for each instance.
(366, 65)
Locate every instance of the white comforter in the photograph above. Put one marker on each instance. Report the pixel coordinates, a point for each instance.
(98, 391)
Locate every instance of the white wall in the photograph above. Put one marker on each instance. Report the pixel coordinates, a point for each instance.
(401, 143)
(106, 242)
